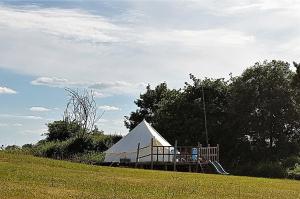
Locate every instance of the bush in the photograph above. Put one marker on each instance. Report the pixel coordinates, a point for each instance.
(12, 148)
(27, 146)
(51, 149)
(86, 149)
(245, 170)
(88, 158)
(295, 172)
(75, 149)
(270, 170)
(291, 162)
(262, 169)
(79, 145)
(100, 142)
(62, 130)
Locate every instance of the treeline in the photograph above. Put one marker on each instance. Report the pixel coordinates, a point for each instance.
(68, 141)
(255, 117)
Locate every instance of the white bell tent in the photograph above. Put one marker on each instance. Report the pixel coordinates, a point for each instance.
(126, 148)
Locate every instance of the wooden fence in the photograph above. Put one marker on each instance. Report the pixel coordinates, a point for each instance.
(177, 154)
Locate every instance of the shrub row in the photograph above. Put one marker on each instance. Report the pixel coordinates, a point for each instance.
(81, 149)
(263, 169)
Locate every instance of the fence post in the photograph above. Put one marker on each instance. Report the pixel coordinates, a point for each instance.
(175, 155)
(198, 158)
(137, 155)
(208, 152)
(218, 158)
(198, 151)
(163, 153)
(151, 153)
(157, 153)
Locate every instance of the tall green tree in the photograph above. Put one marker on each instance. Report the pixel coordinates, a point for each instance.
(147, 104)
(254, 116)
(179, 115)
(263, 110)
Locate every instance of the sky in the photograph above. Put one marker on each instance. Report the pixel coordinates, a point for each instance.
(116, 48)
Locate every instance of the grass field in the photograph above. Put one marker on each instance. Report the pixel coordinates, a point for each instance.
(23, 176)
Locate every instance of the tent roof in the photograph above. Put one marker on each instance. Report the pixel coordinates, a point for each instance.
(142, 134)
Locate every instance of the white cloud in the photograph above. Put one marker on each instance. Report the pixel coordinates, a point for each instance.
(109, 108)
(39, 109)
(102, 122)
(268, 5)
(198, 37)
(117, 87)
(109, 85)
(30, 117)
(7, 125)
(5, 90)
(101, 89)
(51, 82)
(84, 47)
(69, 24)
(100, 94)
(17, 124)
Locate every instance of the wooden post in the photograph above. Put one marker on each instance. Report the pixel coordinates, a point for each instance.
(218, 158)
(186, 154)
(175, 155)
(200, 149)
(151, 153)
(157, 154)
(169, 154)
(163, 153)
(137, 155)
(198, 158)
(208, 151)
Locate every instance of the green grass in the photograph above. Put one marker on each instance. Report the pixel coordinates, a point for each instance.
(25, 176)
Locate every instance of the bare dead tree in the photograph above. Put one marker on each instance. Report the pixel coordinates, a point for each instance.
(82, 109)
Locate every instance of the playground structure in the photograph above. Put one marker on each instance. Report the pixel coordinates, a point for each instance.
(179, 158)
(144, 147)
(160, 154)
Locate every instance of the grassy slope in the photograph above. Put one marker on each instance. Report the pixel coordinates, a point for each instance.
(24, 176)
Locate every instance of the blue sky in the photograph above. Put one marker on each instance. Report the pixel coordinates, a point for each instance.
(118, 47)
(27, 108)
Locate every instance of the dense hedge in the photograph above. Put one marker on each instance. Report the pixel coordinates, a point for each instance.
(78, 145)
(88, 149)
(262, 169)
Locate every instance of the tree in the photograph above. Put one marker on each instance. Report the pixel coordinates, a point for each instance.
(82, 109)
(296, 76)
(12, 148)
(254, 117)
(264, 112)
(181, 116)
(27, 146)
(177, 115)
(62, 130)
(148, 104)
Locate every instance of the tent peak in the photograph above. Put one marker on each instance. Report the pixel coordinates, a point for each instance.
(127, 146)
